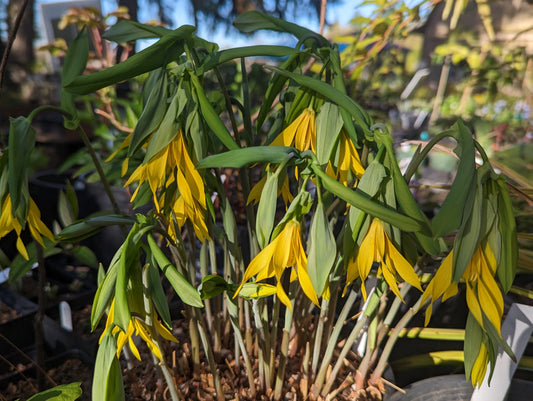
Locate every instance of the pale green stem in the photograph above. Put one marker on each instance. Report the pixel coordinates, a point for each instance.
(239, 340)
(318, 335)
(371, 307)
(393, 337)
(284, 352)
(264, 371)
(328, 354)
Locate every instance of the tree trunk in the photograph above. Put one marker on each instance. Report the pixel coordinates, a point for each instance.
(22, 54)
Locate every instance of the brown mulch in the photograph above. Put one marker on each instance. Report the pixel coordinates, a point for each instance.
(143, 382)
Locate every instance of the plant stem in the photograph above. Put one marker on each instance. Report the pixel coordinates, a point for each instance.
(284, 352)
(393, 337)
(370, 309)
(328, 354)
(318, 336)
(39, 316)
(149, 321)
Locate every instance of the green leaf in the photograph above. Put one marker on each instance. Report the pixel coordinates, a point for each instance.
(252, 21)
(211, 286)
(450, 214)
(73, 65)
(157, 294)
(122, 307)
(322, 249)
(167, 131)
(127, 30)
(211, 117)
(107, 381)
(468, 236)
(266, 210)
(472, 343)
(359, 199)
(85, 256)
(67, 211)
(153, 112)
(167, 49)
(183, 288)
(223, 56)
(509, 245)
(63, 392)
(328, 126)
(21, 144)
(89, 226)
(245, 156)
(105, 291)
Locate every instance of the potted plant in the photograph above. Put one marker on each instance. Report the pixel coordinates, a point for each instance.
(333, 228)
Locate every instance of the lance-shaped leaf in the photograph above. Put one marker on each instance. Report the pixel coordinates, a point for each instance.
(468, 236)
(322, 249)
(108, 385)
(211, 286)
(360, 116)
(157, 294)
(74, 65)
(105, 291)
(165, 50)
(449, 216)
(89, 226)
(21, 143)
(127, 30)
(211, 117)
(183, 288)
(245, 156)
(166, 132)
(254, 20)
(328, 126)
(365, 203)
(127, 257)
(153, 112)
(63, 392)
(266, 210)
(472, 343)
(509, 245)
(223, 56)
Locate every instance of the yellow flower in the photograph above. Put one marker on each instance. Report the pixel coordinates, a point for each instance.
(479, 369)
(483, 296)
(174, 180)
(301, 133)
(8, 223)
(348, 159)
(138, 327)
(284, 251)
(377, 247)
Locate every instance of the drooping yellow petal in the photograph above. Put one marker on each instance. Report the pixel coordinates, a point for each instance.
(37, 227)
(479, 369)
(473, 303)
(255, 193)
(164, 332)
(140, 330)
(401, 265)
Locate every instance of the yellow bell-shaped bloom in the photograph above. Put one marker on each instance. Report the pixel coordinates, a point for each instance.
(174, 180)
(376, 247)
(483, 296)
(286, 250)
(138, 327)
(349, 160)
(301, 133)
(9, 223)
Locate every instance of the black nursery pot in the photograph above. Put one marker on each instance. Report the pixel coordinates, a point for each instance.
(17, 342)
